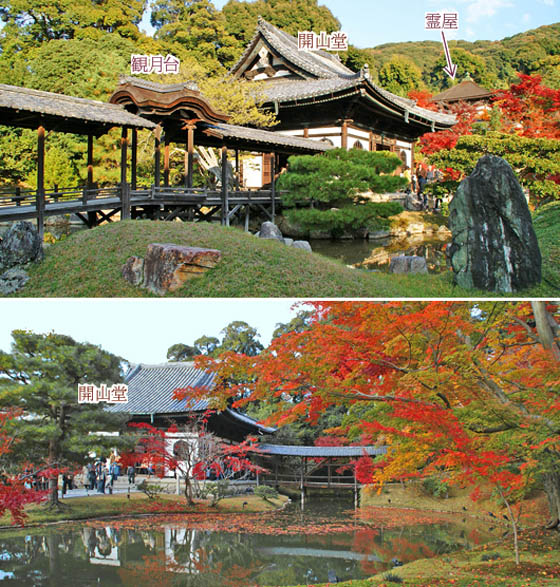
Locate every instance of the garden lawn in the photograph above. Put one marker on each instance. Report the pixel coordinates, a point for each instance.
(89, 263)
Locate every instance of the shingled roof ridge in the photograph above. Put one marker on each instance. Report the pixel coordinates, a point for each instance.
(150, 85)
(63, 97)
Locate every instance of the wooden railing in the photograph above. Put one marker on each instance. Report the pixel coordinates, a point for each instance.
(27, 197)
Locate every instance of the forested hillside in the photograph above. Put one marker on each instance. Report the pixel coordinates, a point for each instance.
(494, 64)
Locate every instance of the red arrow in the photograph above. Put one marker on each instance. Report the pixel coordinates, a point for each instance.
(451, 68)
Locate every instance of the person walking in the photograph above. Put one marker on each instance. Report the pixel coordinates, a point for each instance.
(131, 472)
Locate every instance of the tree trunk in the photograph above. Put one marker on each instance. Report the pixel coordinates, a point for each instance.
(545, 330)
(53, 480)
(188, 490)
(552, 490)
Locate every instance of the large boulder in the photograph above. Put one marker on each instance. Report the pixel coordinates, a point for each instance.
(20, 245)
(408, 264)
(168, 266)
(12, 280)
(494, 246)
(269, 230)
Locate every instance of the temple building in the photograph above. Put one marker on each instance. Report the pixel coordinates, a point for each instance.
(315, 96)
(466, 91)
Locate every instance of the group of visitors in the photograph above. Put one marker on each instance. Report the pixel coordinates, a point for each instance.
(101, 476)
(418, 179)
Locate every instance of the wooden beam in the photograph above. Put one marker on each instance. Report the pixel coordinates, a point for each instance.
(125, 193)
(89, 162)
(273, 184)
(157, 155)
(124, 149)
(40, 198)
(225, 201)
(133, 160)
(190, 156)
(166, 162)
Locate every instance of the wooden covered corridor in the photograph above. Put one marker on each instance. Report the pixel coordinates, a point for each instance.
(175, 113)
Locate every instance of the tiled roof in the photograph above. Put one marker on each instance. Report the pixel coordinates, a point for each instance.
(264, 137)
(466, 90)
(151, 387)
(292, 91)
(317, 64)
(321, 451)
(60, 105)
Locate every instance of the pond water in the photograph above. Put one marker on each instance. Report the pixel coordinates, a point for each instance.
(375, 255)
(203, 550)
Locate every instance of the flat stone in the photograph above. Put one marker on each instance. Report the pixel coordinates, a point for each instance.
(288, 241)
(302, 245)
(494, 246)
(168, 266)
(408, 264)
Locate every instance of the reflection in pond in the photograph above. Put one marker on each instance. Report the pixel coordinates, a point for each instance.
(377, 254)
(288, 548)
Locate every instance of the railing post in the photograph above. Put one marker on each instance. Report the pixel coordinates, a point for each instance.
(40, 196)
(225, 202)
(125, 201)
(18, 196)
(273, 185)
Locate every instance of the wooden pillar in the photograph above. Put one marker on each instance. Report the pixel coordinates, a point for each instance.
(344, 136)
(356, 492)
(306, 132)
(89, 161)
(166, 162)
(133, 160)
(40, 198)
(302, 483)
(273, 184)
(125, 195)
(371, 141)
(189, 157)
(157, 155)
(225, 201)
(237, 175)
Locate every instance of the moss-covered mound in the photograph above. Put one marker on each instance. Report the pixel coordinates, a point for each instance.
(89, 264)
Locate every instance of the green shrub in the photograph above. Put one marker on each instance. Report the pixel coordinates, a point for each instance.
(266, 492)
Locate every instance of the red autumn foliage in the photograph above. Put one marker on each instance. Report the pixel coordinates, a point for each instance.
(16, 491)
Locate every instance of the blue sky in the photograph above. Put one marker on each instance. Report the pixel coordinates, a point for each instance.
(140, 331)
(374, 22)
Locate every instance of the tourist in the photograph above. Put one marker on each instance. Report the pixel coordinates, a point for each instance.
(131, 472)
(422, 181)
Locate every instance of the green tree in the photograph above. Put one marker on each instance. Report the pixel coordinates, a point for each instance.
(30, 22)
(290, 16)
(206, 345)
(181, 352)
(400, 75)
(536, 161)
(40, 377)
(330, 186)
(239, 337)
(197, 26)
(467, 63)
(299, 323)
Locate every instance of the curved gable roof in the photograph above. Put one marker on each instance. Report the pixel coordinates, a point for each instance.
(311, 64)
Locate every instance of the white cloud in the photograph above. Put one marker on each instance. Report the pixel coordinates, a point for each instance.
(547, 2)
(526, 17)
(485, 8)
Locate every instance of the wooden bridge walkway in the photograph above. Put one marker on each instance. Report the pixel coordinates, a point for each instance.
(96, 205)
